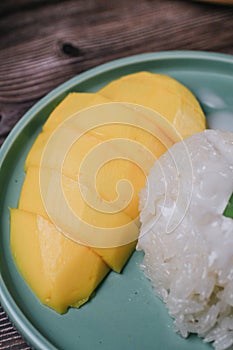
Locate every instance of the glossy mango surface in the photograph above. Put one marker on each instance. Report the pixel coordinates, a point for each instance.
(61, 272)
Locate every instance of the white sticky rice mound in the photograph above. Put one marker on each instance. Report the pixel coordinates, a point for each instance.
(187, 241)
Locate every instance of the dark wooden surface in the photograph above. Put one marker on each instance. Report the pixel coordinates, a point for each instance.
(44, 43)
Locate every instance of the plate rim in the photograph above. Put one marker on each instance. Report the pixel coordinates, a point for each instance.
(17, 317)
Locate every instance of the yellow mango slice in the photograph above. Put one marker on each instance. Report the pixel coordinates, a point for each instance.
(91, 139)
(116, 258)
(113, 171)
(128, 167)
(72, 104)
(118, 169)
(163, 94)
(61, 272)
(36, 151)
(74, 157)
(109, 174)
(31, 201)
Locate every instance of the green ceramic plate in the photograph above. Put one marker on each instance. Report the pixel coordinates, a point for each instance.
(125, 314)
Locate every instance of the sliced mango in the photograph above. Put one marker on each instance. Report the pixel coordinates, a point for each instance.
(163, 94)
(72, 104)
(114, 171)
(56, 260)
(118, 169)
(31, 201)
(116, 258)
(74, 157)
(108, 175)
(61, 272)
(111, 172)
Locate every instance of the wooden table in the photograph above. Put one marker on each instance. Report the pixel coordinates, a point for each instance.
(44, 43)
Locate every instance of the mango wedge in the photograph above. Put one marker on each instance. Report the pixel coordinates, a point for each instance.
(72, 104)
(61, 272)
(111, 172)
(73, 158)
(31, 201)
(163, 94)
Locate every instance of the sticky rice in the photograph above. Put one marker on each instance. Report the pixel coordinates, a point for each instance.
(187, 241)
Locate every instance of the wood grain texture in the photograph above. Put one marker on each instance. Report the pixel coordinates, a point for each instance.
(9, 336)
(44, 43)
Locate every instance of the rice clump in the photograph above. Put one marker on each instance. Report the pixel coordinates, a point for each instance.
(187, 241)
